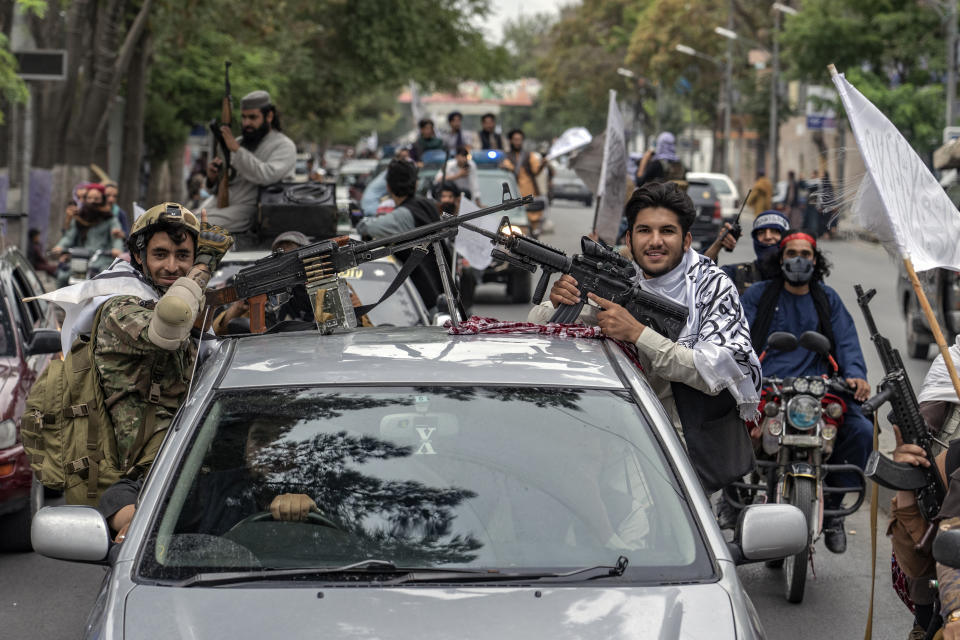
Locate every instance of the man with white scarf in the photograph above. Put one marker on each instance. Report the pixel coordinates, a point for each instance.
(709, 379)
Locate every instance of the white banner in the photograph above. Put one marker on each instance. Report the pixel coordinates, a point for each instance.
(613, 175)
(470, 244)
(569, 141)
(916, 218)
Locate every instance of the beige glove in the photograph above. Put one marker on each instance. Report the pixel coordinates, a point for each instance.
(212, 243)
(292, 506)
(174, 314)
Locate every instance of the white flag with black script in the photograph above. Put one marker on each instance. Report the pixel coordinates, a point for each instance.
(613, 175)
(900, 201)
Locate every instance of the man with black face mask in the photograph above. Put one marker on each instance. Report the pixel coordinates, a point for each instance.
(261, 156)
(795, 301)
(768, 230)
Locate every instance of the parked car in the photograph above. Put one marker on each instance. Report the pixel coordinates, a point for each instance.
(28, 337)
(709, 212)
(370, 280)
(725, 188)
(352, 179)
(495, 485)
(566, 185)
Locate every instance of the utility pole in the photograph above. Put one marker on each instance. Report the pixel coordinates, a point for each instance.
(728, 95)
(774, 91)
(951, 60)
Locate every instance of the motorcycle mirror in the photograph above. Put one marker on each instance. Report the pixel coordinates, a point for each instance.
(816, 342)
(946, 548)
(782, 341)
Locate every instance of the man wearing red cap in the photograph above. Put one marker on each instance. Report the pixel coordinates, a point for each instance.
(795, 301)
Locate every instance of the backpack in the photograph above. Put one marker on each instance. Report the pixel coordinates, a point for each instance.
(65, 428)
(673, 171)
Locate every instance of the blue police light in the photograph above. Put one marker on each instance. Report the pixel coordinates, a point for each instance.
(491, 154)
(488, 157)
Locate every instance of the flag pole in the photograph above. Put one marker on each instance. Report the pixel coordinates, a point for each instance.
(925, 304)
(932, 321)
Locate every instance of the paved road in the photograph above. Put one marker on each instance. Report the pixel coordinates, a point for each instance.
(42, 598)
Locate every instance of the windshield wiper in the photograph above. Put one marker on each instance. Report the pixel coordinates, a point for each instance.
(232, 577)
(406, 574)
(455, 575)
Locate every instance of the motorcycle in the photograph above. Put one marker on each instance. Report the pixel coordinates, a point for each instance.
(800, 418)
(79, 265)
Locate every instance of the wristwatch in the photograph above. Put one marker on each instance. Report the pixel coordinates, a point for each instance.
(953, 617)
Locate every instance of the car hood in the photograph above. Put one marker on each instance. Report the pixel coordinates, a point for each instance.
(690, 612)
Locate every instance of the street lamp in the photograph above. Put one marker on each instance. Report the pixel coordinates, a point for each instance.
(778, 8)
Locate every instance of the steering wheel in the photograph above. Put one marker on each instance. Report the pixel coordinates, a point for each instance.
(313, 517)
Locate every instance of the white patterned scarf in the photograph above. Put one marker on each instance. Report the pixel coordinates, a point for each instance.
(716, 328)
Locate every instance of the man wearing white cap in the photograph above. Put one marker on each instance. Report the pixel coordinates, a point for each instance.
(261, 156)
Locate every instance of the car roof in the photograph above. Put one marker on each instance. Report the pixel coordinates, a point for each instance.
(417, 355)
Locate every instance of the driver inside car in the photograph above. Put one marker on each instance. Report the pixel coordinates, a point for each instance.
(221, 497)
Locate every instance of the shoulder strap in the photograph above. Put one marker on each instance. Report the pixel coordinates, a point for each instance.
(822, 304)
(83, 365)
(765, 310)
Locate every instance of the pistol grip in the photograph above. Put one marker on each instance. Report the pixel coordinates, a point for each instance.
(541, 289)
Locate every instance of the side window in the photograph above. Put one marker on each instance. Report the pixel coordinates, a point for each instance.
(29, 311)
(33, 284)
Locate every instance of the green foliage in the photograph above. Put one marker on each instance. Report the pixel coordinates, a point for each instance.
(893, 51)
(12, 88)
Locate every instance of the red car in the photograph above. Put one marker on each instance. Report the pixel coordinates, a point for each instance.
(28, 337)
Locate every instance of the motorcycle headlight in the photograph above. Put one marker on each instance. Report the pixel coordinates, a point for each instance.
(771, 409)
(817, 386)
(803, 411)
(8, 433)
(829, 432)
(801, 385)
(834, 410)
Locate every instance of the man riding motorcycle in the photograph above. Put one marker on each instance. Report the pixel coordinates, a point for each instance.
(796, 301)
(767, 232)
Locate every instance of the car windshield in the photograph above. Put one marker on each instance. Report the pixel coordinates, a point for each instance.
(491, 193)
(720, 186)
(370, 281)
(504, 478)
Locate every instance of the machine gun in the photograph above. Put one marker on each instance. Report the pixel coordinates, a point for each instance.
(599, 270)
(895, 388)
(316, 266)
(226, 118)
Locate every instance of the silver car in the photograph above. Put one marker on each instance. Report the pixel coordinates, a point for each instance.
(491, 486)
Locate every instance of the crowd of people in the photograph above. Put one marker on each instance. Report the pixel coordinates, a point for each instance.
(710, 374)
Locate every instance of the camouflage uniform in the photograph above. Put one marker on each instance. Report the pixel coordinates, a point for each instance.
(142, 383)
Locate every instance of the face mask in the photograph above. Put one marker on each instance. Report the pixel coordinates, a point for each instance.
(797, 270)
(448, 207)
(764, 251)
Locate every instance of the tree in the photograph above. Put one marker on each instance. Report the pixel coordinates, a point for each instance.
(891, 50)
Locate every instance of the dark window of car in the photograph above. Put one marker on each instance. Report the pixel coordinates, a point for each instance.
(501, 478)
(8, 345)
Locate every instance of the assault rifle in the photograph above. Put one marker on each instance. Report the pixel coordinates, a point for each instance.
(895, 387)
(316, 266)
(226, 118)
(599, 270)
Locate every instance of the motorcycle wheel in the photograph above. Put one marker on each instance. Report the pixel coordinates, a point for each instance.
(801, 495)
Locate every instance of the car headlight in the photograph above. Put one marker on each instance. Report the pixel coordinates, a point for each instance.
(512, 230)
(803, 411)
(800, 385)
(817, 386)
(8, 433)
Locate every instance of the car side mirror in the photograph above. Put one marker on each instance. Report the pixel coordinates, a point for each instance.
(946, 548)
(43, 341)
(782, 341)
(768, 532)
(71, 532)
(816, 342)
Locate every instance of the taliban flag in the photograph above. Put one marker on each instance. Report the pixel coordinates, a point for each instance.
(612, 188)
(899, 200)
